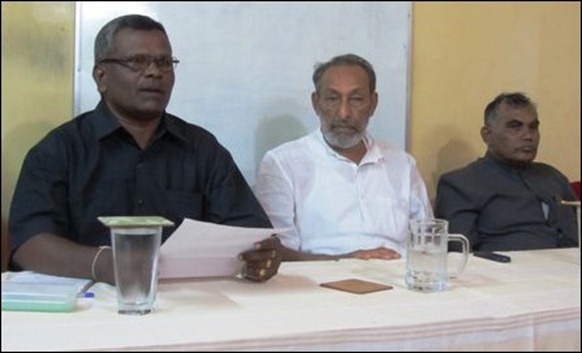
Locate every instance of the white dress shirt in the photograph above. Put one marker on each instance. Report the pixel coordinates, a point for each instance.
(330, 205)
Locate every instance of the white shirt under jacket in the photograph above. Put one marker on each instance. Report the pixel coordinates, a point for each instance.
(333, 206)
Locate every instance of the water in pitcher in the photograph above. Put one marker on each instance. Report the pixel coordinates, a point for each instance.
(426, 270)
(427, 250)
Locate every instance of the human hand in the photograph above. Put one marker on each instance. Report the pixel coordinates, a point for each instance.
(378, 253)
(263, 261)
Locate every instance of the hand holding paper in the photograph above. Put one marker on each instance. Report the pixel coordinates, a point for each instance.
(201, 249)
(263, 261)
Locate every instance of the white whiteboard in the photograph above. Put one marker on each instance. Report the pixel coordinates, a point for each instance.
(245, 68)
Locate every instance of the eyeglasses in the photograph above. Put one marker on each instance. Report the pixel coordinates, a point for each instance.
(141, 62)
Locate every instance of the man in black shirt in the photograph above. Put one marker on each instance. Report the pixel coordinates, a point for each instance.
(127, 157)
(504, 200)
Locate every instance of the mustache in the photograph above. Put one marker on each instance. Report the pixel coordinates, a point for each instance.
(342, 124)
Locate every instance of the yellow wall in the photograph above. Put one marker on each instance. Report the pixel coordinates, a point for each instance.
(37, 80)
(464, 54)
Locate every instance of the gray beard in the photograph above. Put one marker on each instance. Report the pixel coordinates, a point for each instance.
(342, 142)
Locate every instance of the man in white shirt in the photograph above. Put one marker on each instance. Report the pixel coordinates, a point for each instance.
(337, 191)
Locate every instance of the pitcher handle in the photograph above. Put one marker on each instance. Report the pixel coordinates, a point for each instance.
(465, 242)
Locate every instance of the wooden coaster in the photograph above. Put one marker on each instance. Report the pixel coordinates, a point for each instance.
(357, 286)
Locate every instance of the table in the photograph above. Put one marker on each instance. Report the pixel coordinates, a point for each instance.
(532, 303)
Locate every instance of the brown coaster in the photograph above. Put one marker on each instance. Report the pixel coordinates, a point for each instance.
(357, 286)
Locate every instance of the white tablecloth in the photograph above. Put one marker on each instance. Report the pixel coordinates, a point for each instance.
(532, 303)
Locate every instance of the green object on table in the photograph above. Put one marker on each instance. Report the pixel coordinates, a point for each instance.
(135, 221)
(22, 296)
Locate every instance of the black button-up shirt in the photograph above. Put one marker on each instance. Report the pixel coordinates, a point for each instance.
(91, 166)
(500, 207)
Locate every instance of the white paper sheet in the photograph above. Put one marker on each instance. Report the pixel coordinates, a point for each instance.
(201, 249)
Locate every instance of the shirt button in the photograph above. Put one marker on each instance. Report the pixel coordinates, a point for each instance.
(140, 202)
